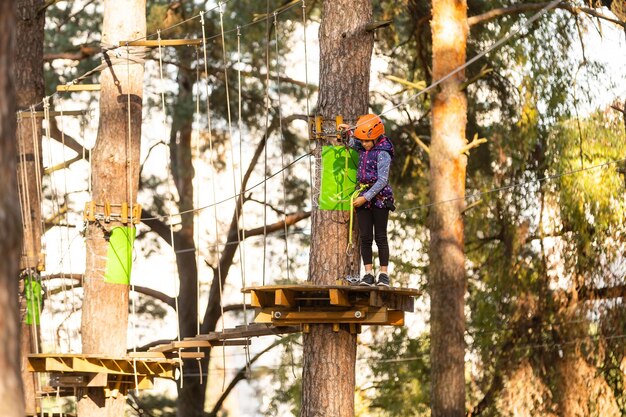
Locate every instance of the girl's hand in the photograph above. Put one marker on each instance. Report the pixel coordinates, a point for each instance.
(344, 129)
(359, 201)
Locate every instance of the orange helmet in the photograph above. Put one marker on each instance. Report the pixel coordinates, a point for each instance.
(369, 127)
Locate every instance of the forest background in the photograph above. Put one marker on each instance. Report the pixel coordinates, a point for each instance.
(544, 225)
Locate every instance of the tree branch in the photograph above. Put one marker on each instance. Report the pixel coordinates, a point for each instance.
(274, 227)
(84, 51)
(158, 226)
(65, 139)
(586, 293)
(530, 7)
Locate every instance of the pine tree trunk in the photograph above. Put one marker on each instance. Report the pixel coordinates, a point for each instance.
(29, 89)
(345, 55)
(115, 180)
(447, 182)
(192, 393)
(11, 395)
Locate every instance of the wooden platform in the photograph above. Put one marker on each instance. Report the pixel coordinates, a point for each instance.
(285, 309)
(239, 336)
(289, 305)
(114, 375)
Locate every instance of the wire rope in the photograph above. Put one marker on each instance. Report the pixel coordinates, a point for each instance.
(172, 202)
(282, 147)
(211, 156)
(266, 136)
(242, 241)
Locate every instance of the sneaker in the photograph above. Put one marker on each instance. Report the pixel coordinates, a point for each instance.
(368, 279)
(383, 280)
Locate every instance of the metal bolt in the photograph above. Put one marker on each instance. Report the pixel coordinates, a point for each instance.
(358, 314)
(277, 314)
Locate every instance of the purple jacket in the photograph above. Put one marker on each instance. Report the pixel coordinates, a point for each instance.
(373, 171)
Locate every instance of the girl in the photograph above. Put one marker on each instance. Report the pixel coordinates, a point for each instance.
(375, 198)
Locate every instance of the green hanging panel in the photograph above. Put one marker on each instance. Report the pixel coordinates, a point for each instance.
(338, 180)
(120, 255)
(32, 290)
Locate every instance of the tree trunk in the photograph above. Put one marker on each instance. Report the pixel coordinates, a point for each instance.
(447, 182)
(345, 56)
(29, 89)
(115, 180)
(191, 394)
(11, 395)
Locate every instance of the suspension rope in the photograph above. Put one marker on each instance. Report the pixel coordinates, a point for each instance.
(211, 155)
(55, 200)
(266, 138)
(32, 258)
(238, 202)
(282, 147)
(129, 181)
(196, 187)
(65, 202)
(38, 198)
(308, 94)
(242, 242)
(169, 190)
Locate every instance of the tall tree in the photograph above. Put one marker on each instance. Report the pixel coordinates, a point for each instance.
(29, 82)
(447, 193)
(11, 397)
(115, 164)
(345, 58)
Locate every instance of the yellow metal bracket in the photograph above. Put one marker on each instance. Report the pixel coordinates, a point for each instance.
(108, 212)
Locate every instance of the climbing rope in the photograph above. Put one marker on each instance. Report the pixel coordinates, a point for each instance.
(282, 147)
(265, 139)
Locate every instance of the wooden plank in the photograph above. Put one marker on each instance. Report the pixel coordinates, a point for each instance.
(166, 347)
(376, 300)
(252, 330)
(162, 42)
(28, 114)
(348, 288)
(263, 317)
(260, 299)
(339, 297)
(370, 316)
(93, 364)
(167, 355)
(78, 87)
(308, 316)
(399, 302)
(187, 344)
(396, 317)
(283, 297)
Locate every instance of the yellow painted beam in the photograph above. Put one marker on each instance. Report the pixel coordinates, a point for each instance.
(339, 297)
(28, 114)
(285, 298)
(162, 42)
(78, 87)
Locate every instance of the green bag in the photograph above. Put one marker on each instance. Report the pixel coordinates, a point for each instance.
(338, 181)
(120, 255)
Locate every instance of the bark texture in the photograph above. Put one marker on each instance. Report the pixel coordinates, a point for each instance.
(115, 165)
(447, 182)
(29, 89)
(11, 395)
(345, 55)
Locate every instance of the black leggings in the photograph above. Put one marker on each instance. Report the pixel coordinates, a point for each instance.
(373, 226)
